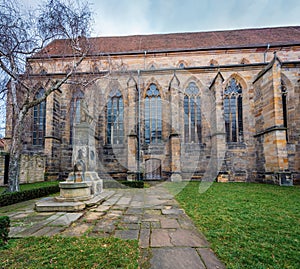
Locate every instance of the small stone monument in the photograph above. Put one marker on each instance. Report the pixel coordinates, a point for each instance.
(83, 183)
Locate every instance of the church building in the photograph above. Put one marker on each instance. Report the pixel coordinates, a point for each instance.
(218, 105)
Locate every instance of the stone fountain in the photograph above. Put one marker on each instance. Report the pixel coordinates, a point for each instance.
(83, 185)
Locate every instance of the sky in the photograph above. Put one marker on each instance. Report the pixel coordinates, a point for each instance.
(130, 17)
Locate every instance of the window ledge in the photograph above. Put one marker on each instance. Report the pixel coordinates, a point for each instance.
(236, 145)
(110, 146)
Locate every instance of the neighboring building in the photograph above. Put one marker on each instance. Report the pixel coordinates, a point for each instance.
(224, 104)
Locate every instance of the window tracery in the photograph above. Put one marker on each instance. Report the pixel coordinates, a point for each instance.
(192, 114)
(39, 120)
(115, 118)
(233, 111)
(153, 115)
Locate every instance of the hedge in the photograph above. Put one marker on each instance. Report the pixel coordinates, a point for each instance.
(16, 197)
(4, 230)
(133, 184)
(122, 184)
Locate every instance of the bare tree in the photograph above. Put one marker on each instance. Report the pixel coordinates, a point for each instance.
(24, 33)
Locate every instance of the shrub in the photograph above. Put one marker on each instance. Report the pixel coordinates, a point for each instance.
(122, 184)
(4, 230)
(134, 184)
(16, 197)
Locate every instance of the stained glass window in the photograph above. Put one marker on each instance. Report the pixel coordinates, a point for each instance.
(153, 115)
(115, 118)
(39, 120)
(192, 114)
(233, 111)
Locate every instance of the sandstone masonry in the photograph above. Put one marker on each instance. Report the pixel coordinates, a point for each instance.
(222, 105)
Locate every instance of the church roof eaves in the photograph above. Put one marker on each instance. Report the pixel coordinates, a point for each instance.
(180, 42)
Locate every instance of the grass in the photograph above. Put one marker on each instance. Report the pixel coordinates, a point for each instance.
(30, 186)
(248, 225)
(70, 252)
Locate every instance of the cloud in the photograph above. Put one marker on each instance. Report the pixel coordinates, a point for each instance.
(128, 17)
(119, 17)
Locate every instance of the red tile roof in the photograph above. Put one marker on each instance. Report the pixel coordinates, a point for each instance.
(183, 41)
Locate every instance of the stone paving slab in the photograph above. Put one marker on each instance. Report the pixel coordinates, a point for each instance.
(210, 259)
(172, 211)
(66, 219)
(144, 239)
(48, 231)
(127, 234)
(93, 216)
(160, 238)
(77, 229)
(169, 224)
(176, 258)
(188, 238)
(150, 216)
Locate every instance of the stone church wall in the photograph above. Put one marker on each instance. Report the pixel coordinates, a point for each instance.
(32, 168)
(251, 159)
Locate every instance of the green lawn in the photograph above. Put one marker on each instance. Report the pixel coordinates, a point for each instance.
(248, 225)
(36, 185)
(70, 252)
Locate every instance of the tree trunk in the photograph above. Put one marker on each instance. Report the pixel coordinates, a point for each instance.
(15, 154)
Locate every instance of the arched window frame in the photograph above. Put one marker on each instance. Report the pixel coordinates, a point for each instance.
(75, 111)
(181, 65)
(115, 118)
(233, 111)
(284, 93)
(153, 116)
(192, 114)
(39, 120)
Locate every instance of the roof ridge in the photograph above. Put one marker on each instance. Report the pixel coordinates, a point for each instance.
(198, 32)
(186, 41)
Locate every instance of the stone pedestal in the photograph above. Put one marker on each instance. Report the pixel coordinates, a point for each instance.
(74, 191)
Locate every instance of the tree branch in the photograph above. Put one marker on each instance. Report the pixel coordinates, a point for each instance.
(57, 85)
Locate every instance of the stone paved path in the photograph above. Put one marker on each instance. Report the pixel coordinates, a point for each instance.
(151, 216)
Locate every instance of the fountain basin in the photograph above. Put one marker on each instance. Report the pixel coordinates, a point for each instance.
(74, 191)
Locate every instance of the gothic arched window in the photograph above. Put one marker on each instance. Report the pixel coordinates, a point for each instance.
(192, 114)
(153, 115)
(233, 111)
(39, 120)
(75, 111)
(284, 107)
(115, 118)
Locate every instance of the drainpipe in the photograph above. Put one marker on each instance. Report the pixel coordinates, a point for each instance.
(139, 129)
